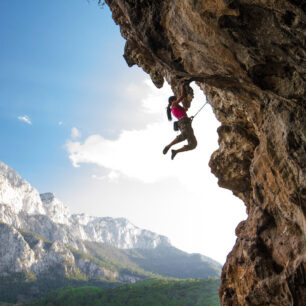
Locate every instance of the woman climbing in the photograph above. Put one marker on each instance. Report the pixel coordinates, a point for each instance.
(184, 125)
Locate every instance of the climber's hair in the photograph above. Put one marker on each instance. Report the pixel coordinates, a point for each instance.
(170, 100)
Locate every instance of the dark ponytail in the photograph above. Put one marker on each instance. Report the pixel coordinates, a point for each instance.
(170, 100)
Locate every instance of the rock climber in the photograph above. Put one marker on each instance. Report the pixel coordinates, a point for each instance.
(184, 125)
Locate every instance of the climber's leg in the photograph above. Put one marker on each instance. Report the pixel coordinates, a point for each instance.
(176, 140)
(192, 143)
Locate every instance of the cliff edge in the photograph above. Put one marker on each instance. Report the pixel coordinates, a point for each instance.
(249, 59)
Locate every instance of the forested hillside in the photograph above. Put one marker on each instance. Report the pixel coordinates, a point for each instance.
(149, 292)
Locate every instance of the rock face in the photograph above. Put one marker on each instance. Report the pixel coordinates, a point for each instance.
(15, 253)
(54, 208)
(18, 193)
(22, 251)
(249, 59)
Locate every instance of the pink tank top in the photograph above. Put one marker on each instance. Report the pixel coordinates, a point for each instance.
(179, 112)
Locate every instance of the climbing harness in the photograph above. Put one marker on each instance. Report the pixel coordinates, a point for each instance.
(175, 123)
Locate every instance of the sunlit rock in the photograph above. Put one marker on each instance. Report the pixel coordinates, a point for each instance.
(249, 59)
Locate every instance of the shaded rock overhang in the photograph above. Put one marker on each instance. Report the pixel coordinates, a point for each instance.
(249, 58)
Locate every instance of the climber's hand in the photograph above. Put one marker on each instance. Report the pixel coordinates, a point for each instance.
(186, 82)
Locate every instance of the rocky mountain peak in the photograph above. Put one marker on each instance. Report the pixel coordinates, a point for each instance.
(47, 197)
(44, 214)
(54, 208)
(9, 174)
(18, 193)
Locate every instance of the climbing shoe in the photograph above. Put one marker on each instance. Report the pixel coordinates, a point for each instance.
(173, 153)
(166, 149)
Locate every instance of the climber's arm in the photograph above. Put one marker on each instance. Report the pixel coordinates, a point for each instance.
(180, 98)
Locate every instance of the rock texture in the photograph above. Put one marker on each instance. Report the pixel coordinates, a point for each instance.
(26, 252)
(18, 193)
(55, 209)
(249, 59)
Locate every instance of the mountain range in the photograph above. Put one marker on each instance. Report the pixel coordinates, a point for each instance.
(41, 239)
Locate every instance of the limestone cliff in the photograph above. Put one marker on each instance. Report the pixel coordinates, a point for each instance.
(249, 59)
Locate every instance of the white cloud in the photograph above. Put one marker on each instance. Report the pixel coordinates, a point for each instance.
(60, 123)
(138, 153)
(25, 119)
(112, 176)
(75, 133)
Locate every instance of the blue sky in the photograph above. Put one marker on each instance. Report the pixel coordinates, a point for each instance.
(77, 121)
(55, 60)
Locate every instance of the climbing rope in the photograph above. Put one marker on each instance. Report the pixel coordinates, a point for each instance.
(192, 117)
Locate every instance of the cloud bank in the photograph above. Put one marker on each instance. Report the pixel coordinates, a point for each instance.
(138, 153)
